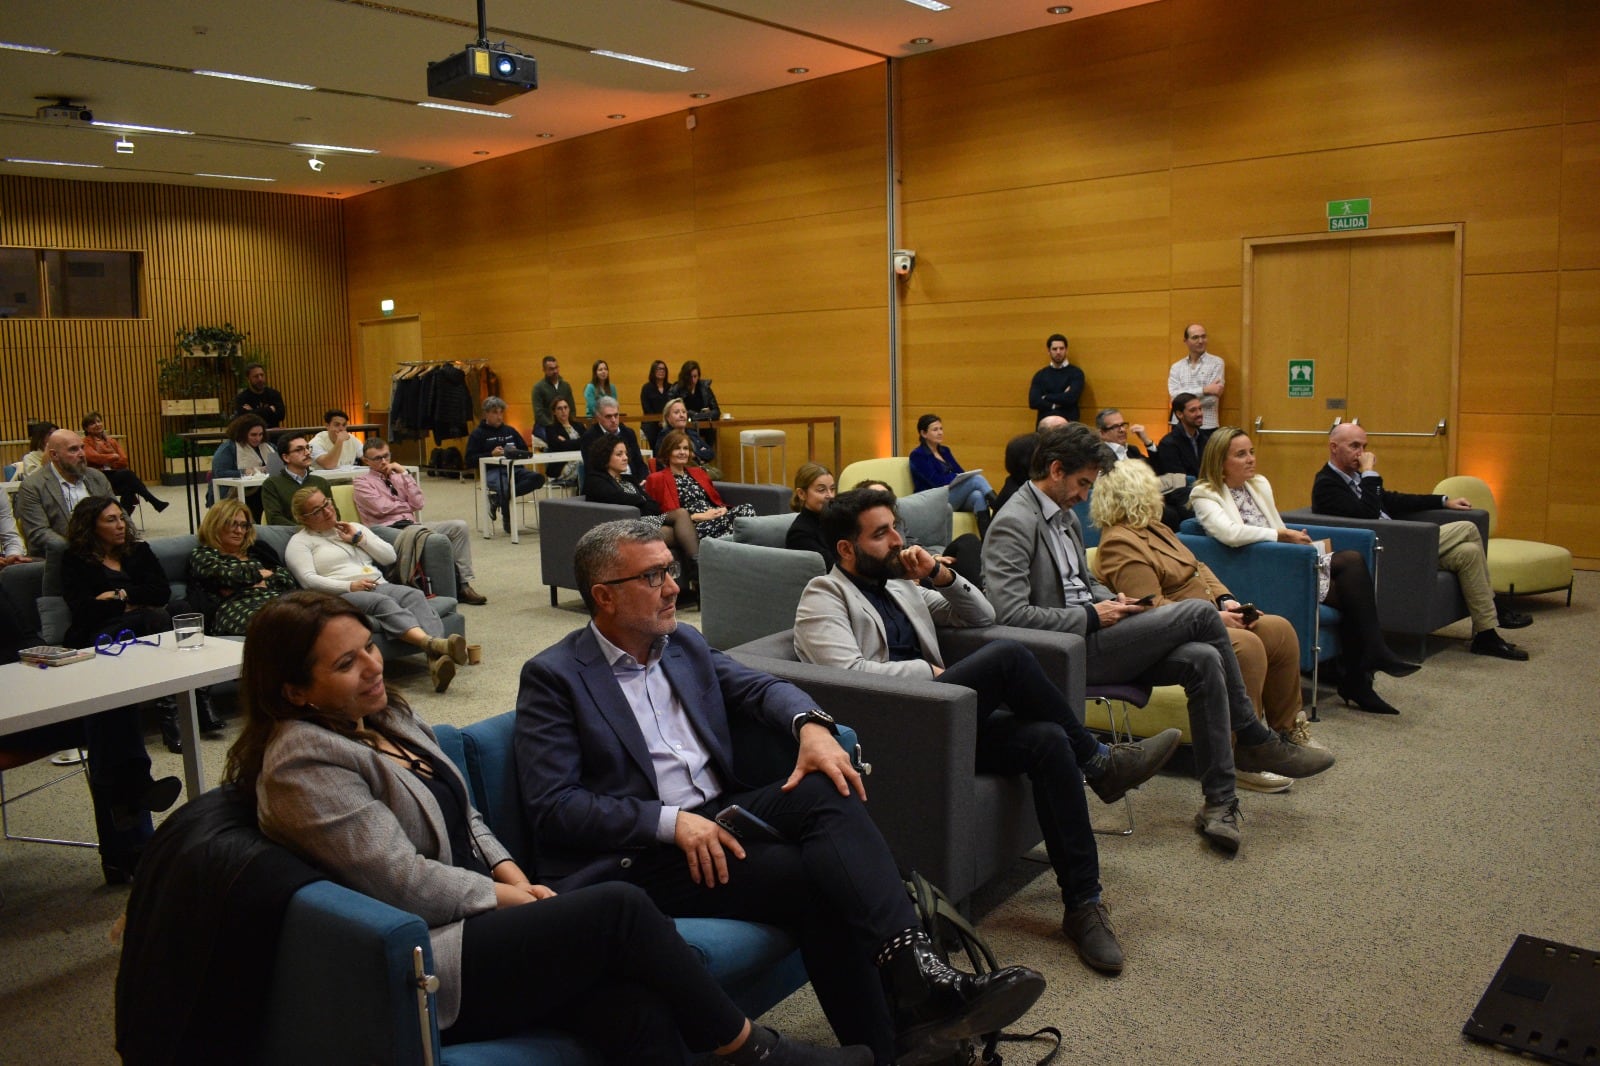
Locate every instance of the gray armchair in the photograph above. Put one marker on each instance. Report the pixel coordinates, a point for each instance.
(957, 827)
(563, 520)
(1415, 597)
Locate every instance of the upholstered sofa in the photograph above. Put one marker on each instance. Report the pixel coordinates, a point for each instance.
(562, 521)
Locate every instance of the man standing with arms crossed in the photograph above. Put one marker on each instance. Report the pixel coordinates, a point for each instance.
(1200, 373)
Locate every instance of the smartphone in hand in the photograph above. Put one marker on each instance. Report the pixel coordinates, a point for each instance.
(746, 826)
(1248, 613)
(1145, 601)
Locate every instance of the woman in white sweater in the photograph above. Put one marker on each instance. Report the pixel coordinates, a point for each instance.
(1235, 506)
(347, 558)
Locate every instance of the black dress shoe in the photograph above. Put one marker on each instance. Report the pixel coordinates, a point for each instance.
(171, 735)
(119, 870)
(1353, 691)
(935, 1005)
(207, 715)
(147, 796)
(1491, 643)
(1510, 619)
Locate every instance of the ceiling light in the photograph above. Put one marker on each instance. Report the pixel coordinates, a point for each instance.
(30, 48)
(124, 146)
(1059, 9)
(464, 110)
(481, 151)
(626, 58)
(315, 164)
(128, 127)
(234, 177)
(254, 80)
(544, 136)
(425, 168)
(931, 5)
(375, 181)
(700, 96)
(799, 70)
(922, 40)
(54, 163)
(334, 148)
(614, 117)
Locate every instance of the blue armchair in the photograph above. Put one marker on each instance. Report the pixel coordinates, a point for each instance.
(352, 978)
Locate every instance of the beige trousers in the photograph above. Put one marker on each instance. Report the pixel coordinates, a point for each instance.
(1269, 660)
(1461, 553)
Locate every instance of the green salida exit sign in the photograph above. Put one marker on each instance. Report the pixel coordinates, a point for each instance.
(1348, 214)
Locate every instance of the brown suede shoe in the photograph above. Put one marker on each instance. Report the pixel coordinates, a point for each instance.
(468, 594)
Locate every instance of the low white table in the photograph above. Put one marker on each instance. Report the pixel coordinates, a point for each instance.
(39, 696)
(336, 475)
(536, 459)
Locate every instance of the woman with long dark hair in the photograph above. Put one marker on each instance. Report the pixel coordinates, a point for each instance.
(653, 395)
(606, 480)
(697, 397)
(599, 385)
(344, 774)
(246, 453)
(561, 435)
(932, 466)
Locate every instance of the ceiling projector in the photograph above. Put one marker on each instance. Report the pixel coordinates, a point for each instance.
(483, 75)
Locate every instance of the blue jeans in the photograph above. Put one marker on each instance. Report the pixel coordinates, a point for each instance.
(1042, 738)
(973, 495)
(527, 481)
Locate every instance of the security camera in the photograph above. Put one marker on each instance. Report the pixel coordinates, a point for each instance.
(903, 259)
(124, 146)
(315, 164)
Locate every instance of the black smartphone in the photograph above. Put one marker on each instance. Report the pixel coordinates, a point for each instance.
(1248, 612)
(1145, 601)
(746, 826)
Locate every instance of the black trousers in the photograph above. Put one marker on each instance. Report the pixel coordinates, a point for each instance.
(1361, 643)
(835, 887)
(601, 962)
(119, 767)
(1042, 738)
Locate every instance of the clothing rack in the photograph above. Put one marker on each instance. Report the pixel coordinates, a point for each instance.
(478, 374)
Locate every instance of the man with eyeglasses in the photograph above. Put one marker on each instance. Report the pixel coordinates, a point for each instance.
(1114, 430)
(277, 492)
(1199, 373)
(608, 423)
(387, 495)
(625, 755)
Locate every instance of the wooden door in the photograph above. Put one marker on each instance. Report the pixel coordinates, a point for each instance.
(1378, 316)
(385, 343)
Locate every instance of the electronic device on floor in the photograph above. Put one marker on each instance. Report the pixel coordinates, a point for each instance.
(1543, 1002)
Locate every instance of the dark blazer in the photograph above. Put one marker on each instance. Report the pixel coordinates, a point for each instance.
(805, 534)
(636, 463)
(588, 786)
(603, 488)
(82, 580)
(1175, 456)
(1331, 494)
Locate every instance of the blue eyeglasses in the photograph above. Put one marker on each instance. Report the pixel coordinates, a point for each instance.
(105, 644)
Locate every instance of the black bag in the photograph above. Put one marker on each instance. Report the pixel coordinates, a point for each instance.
(950, 932)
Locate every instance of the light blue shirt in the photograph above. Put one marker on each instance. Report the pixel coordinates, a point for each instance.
(682, 765)
(1074, 589)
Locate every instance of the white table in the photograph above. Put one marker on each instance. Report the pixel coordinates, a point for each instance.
(536, 459)
(334, 476)
(39, 696)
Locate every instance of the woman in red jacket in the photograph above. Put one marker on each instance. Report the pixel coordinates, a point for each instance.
(101, 451)
(680, 485)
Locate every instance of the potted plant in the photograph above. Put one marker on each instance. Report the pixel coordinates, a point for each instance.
(186, 387)
(204, 342)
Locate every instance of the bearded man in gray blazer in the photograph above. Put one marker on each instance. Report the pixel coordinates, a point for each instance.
(48, 495)
(1036, 575)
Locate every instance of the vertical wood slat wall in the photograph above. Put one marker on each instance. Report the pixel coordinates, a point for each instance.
(272, 265)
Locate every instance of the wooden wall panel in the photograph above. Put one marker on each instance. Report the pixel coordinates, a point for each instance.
(272, 265)
(1504, 186)
(1574, 513)
(1508, 343)
(1577, 373)
(818, 360)
(628, 352)
(634, 184)
(1220, 311)
(1109, 235)
(786, 154)
(1288, 79)
(1580, 197)
(1505, 452)
(1582, 62)
(815, 263)
(631, 281)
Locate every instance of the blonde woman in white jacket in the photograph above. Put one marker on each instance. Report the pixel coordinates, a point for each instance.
(1235, 506)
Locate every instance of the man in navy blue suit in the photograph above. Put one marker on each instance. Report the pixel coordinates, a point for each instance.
(625, 753)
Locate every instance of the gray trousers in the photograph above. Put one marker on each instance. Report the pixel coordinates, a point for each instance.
(397, 608)
(1185, 644)
(460, 545)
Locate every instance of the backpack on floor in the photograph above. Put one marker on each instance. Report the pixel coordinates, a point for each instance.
(950, 932)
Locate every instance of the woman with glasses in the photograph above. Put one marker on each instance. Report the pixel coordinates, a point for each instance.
(561, 435)
(344, 774)
(231, 574)
(677, 484)
(347, 559)
(653, 395)
(245, 453)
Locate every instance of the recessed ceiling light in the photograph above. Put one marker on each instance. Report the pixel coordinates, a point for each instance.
(931, 5)
(254, 80)
(30, 48)
(54, 163)
(464, 110)
(375, 181)
(1059, 9)
(131, 128)
(425, 168)
(481, 151)
(335, 148)
(544, 136)
(799, 70)
(922, 40)
(642, 60)
(616, 116)
(700, 96)
(234, 177)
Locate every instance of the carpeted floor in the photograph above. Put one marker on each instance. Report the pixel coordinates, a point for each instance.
(1360, 923)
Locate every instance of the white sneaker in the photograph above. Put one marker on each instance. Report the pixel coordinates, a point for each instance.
(1262, 781)
(1301, 734)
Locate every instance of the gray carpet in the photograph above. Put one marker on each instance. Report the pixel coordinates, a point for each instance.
(1359, 924)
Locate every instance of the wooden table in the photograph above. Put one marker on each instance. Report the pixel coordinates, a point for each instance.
(39, 696)
(811, 422)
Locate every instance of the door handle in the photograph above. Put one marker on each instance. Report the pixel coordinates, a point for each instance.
(1437, 431)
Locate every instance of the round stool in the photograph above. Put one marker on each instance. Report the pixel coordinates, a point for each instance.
(770, 440)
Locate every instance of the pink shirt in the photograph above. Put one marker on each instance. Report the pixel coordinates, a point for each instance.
(383, 503)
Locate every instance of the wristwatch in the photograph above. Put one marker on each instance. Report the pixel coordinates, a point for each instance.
(820, 717)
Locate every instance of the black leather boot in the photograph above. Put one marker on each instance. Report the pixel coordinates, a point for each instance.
(935, 1005)
(171, 735)
(205, 712)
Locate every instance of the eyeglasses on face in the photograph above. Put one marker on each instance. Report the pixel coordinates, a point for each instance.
(240, 524)
(297, 448)
(1113, 427)
(105, 644)
(374, 458)
(654, 577)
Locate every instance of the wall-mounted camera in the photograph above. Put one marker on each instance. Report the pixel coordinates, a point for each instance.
(902, 259)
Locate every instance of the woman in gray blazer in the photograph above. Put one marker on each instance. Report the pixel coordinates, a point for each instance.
(345, 775)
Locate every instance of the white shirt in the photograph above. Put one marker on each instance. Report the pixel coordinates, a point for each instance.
(1193, 376)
